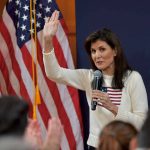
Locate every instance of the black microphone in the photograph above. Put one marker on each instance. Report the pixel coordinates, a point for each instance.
(95, 86)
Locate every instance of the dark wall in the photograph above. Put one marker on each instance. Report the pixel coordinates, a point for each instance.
(129, 19)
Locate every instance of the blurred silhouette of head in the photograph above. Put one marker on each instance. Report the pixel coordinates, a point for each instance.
(13, 115)
(116, 136)
(143, 137)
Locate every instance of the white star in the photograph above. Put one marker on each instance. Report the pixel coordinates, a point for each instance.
(39, 15)
(32, 20)
(47, 9)
(22, 37)
(31, 31)
(23, 27)
(24, 17)
(49, 1)
(17, 2)
(38, 25)
(16, 12)
(10, 1)
(45, 18)
(26, 7)
(40, 5)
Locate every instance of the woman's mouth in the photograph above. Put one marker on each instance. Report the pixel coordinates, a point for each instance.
(99, 62)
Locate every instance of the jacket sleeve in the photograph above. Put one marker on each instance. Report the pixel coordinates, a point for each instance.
(139, 103)
(78, 78)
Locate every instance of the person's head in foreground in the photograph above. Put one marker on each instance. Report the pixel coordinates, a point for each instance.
(13, 115)
(116, 136)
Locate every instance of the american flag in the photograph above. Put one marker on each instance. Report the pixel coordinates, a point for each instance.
(21, 67)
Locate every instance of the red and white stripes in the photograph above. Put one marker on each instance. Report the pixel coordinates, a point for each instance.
(16, 79)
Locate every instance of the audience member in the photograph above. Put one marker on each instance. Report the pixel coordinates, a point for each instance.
(14, 123)
(116, 136)
(143, 139)
(142, 142)
(54, 134)
(53, 137)
(13, 115)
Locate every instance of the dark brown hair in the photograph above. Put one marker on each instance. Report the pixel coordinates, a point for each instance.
(116, 136)
(13, 115)
(121, 64)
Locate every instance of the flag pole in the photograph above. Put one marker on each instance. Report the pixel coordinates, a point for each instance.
(33, 31)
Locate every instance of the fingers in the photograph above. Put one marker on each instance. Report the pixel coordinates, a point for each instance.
(54, 17)
(54, 126)
(50, 29)
(54, 134)
(47, 19)
(97, 94)
(100, 96)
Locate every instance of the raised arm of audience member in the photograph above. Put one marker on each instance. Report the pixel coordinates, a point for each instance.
(54, 134)
(33, 134)
(53, 137)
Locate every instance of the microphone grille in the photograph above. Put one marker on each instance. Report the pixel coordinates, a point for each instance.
(97, 73)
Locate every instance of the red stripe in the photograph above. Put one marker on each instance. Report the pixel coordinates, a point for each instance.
(64, 26)
(62, 61)
(28, 63)
(15, 66)
(72, 91)
(55, 94)
(113, 90)
(110, 96)
(6, 75)
(115, 93)
(117, 104)
(116, 100)
(18, 74)
(52, 86)
(44, 112)
(103, 106)
(57, 99)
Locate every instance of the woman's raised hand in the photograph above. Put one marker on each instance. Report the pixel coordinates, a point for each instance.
(50, 29)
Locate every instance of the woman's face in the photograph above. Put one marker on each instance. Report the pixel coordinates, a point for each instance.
(103, 57)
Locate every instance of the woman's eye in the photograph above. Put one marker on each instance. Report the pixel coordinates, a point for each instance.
(102, 49)
(93, 51)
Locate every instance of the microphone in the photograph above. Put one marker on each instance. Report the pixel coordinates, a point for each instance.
(96, 86)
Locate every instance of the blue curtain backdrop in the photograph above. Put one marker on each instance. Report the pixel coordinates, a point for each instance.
(130, 20)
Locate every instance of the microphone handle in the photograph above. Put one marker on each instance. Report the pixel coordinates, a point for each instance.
(93, 105)
(95, 87)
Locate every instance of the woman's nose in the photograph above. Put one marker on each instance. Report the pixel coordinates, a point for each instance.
(98, 54)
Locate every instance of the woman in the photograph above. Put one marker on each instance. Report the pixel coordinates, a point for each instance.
(126, 97)
(117, 135)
